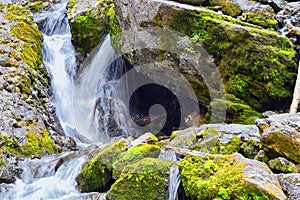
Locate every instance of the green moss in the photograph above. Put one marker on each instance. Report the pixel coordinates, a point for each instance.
(216, 178)
(114, 27)
(143, 180)
(280, 144)
(96, 174)
(280, 166)
(39, 144)
(24, 28)
(36, 144)
(133, 155)
(256, 65)
(263, 17)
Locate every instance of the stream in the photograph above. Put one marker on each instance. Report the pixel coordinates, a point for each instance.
(75, 97)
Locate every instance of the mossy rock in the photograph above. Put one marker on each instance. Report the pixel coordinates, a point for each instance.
(134, 155)
(282, 165)
(183, 138)
(229, 7)
(263, 16)
(211, 144)
(36, 144)
(142, 181)
(90, 22)
(96, 174)
(226, 177)
(281, 141)
(257, 65)
(237, 111)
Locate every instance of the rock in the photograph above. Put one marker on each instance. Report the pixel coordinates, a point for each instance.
(282, 165)
(262, 15)
(281, 136)
(228, 177)
(289, 19)
(229, 42)
(134, 155)
(145, 179)
(228, 139)
(146, 138)
(191, 2)
(96, 174)
(277, 5)
(290, 184)
(90, 21)
(184, 138)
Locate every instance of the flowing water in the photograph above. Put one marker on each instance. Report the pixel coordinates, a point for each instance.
(59, 59)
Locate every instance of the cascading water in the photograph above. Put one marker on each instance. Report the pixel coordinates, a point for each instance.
(41, 180)
(59, 59)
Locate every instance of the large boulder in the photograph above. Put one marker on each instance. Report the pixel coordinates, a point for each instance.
(96, 174)
(145, 179)
(246, 55)
(228, 177)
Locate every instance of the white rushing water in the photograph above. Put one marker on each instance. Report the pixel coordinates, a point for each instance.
(86, 92)
(39, 179)
(59, 59)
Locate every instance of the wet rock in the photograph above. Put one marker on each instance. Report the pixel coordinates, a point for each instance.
(290, 184)
(282, 165)
(226, 177)
(145, 179)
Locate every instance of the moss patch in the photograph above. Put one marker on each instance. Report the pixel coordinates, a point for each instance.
(216, 178)
(133, 155)
(142, 180)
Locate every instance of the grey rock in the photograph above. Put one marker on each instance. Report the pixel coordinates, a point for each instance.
(290, 184)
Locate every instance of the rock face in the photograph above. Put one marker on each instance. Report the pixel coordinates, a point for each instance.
(247, 56)
(281, 136)
(228, 177)
(26, 115)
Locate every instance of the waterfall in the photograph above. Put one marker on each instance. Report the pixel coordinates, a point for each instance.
(59, 59)
(41, 180)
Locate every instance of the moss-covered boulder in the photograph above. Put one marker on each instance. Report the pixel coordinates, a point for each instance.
(228, 177)
(90, 21)
(134, 155)
(282, 165)
(145, 179)
(96, 174)
(257, 65)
